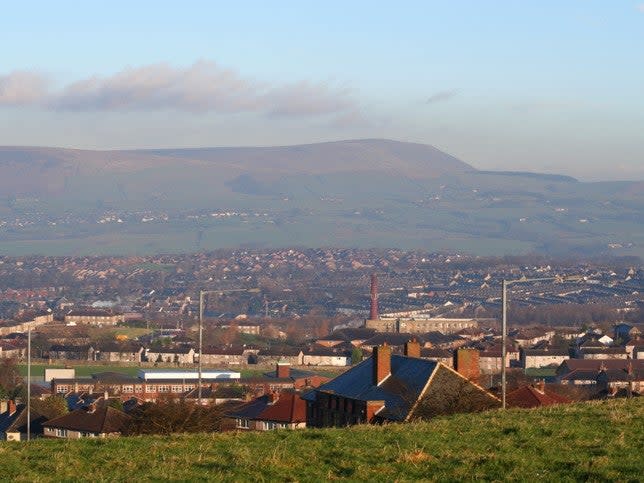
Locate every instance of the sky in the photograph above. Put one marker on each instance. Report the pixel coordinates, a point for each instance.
(552, 86)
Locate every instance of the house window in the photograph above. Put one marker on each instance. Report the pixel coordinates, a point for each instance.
(177, 388)
(60, 433)
(242, 423)
(62, 389)
(164, 388)
(85, 434)
(150, 388)
(128, 389)
(138, 388)
(273, 425)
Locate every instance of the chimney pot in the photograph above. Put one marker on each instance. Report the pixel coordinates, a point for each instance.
(381, 363)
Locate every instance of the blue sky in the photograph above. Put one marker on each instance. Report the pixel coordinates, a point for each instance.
(555, 86)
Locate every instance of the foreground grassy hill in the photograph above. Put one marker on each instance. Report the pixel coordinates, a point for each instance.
(589, 441)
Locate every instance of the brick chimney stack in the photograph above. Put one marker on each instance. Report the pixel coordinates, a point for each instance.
(381, 363)
(373, 312)
(11, 407)
(372, 409)
(466, 363)
(412, 348)
(283, 370)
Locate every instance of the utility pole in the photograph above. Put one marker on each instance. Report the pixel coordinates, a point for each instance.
(29, 384)
(504, 326)
(201, 294)
(504, 340)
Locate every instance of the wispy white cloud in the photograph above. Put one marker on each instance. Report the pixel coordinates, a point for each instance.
(640, 7)
(441, 96)
(22, 88)
(201, 87)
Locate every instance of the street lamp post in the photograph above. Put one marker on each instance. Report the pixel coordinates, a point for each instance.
(201, 294)
(504, 323)
(29, 384)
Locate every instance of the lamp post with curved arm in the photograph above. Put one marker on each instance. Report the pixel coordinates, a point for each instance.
(504, 326)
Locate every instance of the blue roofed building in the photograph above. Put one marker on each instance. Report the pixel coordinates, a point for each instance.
(396, 388)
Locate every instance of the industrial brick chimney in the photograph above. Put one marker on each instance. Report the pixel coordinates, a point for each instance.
(412, 348)
(381, 363)
(466, 363)
(373, 311)
(283, 370)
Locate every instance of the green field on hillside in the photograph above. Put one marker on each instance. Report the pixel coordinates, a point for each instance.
(598, 441)
(86, 370)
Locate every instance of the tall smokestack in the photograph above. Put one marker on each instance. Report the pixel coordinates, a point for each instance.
(373, 312)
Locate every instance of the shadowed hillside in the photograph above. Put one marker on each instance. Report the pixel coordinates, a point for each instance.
(360, 193)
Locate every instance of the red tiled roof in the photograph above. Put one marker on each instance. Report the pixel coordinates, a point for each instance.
(529, 396)
(289, 408)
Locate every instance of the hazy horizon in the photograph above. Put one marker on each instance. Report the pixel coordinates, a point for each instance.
(550, 87)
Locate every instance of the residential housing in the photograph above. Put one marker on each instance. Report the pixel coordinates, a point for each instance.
(390, 387)
(89, 422)
(275, 410)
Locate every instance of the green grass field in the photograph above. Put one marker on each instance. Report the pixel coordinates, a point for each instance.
(598, 441)
(541, 371)
(86, 370)
(38, 370)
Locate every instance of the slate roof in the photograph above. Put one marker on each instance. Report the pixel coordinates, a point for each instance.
(438, 338)
(319, 350)
(280, 351)
(604, 350)
(437, 353)
(546, 352)
(620, 375)
(399, 391)
(581, 375)
(17, 422)
(349, 334)
(391, 339)
(116, 378)
(596, 364)
(102, 420)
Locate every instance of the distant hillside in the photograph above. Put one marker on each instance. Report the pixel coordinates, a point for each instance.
(599, 441)
(355, 193)
(34, 171)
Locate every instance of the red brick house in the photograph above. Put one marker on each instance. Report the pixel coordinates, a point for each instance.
(390, 387)
(285, 410)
